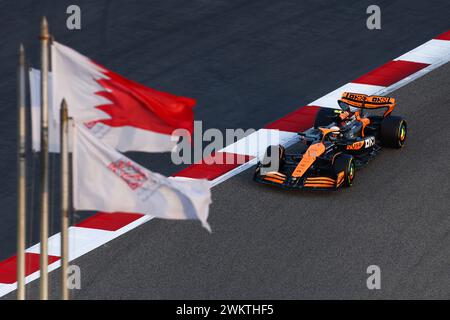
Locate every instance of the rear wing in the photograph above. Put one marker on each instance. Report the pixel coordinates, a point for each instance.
(363, 101)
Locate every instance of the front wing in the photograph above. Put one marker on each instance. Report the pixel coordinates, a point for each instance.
(308, 181)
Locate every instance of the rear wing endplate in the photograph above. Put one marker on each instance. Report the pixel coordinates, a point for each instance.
(359, 100)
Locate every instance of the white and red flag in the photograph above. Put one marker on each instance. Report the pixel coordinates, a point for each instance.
(122, 113)
(106, 180)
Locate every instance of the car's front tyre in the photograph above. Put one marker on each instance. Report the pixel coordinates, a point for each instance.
(345, 163)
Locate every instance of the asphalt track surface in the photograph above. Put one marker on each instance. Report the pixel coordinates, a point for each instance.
(249, 63)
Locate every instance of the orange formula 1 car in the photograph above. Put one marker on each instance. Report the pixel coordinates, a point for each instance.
(340, 142)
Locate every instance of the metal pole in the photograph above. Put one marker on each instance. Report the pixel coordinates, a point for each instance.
(21, 187)
(64, 200)
(44, 161)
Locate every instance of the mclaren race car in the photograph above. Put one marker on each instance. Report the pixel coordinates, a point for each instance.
(341, 141)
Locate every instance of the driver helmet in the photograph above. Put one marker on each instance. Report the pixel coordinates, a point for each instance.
(335, 133)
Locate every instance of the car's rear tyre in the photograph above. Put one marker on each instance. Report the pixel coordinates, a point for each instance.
(393, 131)
(324, 117)
(280, 151)
(345, 163)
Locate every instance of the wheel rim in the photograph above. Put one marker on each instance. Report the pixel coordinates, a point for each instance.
(402, 134)
(351, 172)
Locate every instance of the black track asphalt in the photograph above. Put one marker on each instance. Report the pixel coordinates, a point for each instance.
(248, 63)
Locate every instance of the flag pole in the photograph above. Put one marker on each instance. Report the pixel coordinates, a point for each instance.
(64, 200)
(21, 186)
(44, 38)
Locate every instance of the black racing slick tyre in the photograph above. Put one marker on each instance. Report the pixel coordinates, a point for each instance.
(324, 117)
(279, 151)
(345, 163)
(393, 132)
